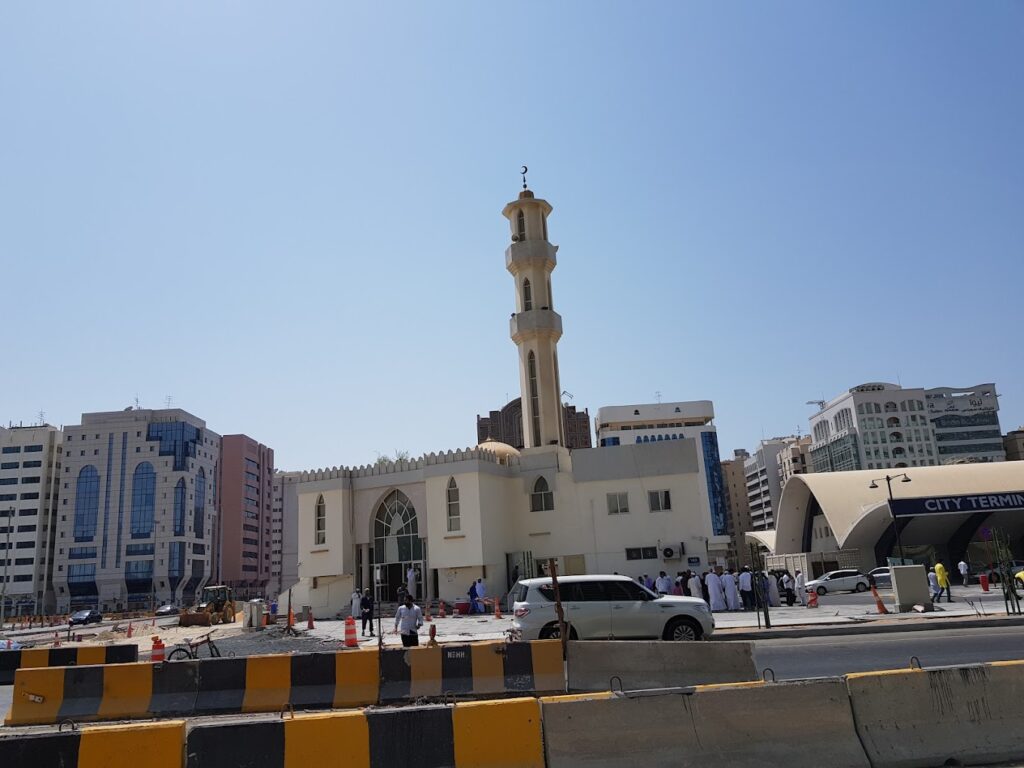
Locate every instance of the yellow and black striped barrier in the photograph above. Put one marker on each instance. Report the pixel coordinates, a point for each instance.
(479, 734)
(152, 745)
(33, 658)
(274, 682)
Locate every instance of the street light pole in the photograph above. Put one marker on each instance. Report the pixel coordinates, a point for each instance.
(895, 525)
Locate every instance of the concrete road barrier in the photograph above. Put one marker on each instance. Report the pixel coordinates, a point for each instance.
(742, 725)
(958, 715)
(654, 664)
(153, 745)
(471, 669)
(485, 734)
(33, 658)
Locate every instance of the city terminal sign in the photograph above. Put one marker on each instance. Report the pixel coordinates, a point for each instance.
(958, 505)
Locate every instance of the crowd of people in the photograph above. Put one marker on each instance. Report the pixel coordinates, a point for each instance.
(731, 590)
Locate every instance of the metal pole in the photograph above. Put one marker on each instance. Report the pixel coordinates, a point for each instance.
(7, 562)
(553, 568)
(895, 525)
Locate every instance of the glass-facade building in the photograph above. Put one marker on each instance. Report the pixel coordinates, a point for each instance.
(135, 518)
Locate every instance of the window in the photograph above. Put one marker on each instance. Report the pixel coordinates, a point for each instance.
(9, 465)
(531, 364)
(626, 590)
(33, 449)
(542, 499)
(29, 496)
(618, 503)
(200, 507)
(82, 572)
(521, 224)
(12, 449)
(8, 481)
(454, 515)
(139, 549)
(143, 500)
(320, 522)
(179, 508)
(87, 503)
(659, 501)
(642, 553)
(527, 295)
(31, 464)
(396, 531)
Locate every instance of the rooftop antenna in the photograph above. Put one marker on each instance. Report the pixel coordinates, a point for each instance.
(568, 394)
(167, 401)
(657, 396)
(136, 402)
(523, 172)
(42, 418)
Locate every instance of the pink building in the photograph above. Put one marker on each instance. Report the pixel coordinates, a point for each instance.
(244, 497)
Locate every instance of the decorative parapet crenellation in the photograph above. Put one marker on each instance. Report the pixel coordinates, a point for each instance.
(394, 467)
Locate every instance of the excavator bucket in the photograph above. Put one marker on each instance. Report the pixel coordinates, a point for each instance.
(199, 619)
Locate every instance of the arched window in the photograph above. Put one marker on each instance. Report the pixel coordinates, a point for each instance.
(531, 366)
(521, 224)
(320, 522)
(143, 500)
(892, 421)
(896, 437)
(542, 499)
(527, 295)
(454, 516)
(890, 407)
(87, 503)
(200, 509)
(544, 225)
(551, 298)
(396, 537)
(179, 508)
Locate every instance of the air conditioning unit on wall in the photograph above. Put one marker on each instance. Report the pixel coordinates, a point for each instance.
(672, 552)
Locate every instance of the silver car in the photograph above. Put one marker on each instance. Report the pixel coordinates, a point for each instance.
(607, 608)
(844, 580)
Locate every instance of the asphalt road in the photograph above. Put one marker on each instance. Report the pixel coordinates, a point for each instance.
(826, 656)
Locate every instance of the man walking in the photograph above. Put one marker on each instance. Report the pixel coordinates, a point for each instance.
(965, 572)
(481, 593)
(801, 587)
(747, 588)
(787, 588)
(366, 610)
(410, 581)
(664, 584)
(408, 620)
(943, 576)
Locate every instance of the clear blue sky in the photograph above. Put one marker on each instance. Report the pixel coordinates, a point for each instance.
(287, 216)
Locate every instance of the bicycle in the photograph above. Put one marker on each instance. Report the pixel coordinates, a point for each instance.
(182, 652)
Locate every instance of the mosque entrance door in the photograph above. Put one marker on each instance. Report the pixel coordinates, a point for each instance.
(397, 546)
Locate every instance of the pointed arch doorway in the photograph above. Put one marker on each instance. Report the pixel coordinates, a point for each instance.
(397, 546)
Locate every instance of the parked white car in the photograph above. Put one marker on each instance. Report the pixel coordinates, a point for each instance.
(845, 580)
(607, 608)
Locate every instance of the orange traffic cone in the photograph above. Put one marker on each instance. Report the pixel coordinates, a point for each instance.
(433, 636)
(157, 654)
(440, 611)
(426, 612)
(129, 629)
(291, 618)
(309, 619)
(812, 600)
(350, 633)
(56, 640)
(497, 608)
(878, 601)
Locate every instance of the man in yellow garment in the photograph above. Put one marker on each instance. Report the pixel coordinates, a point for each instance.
(943, 576)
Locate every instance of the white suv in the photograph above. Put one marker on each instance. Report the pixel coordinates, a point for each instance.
(607, 608)
(848, 580)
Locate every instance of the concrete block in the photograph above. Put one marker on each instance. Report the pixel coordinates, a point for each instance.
(746, 725)
(657, 664)
(958, 715)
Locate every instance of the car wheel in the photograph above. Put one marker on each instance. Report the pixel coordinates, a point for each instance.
(682, 629)
(551, 632)
(861, 587)
(821, 591)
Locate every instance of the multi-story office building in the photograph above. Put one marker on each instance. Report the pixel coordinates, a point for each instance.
(30, 462)
(506, 426)
(794, 459)
(137, 514)
(245, 504)
(764, 483)
(738, 506)
(879, 425)
(284, 532)
(657, 422)
(1013, 444)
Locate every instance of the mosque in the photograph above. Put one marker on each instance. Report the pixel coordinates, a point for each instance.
(498, 513)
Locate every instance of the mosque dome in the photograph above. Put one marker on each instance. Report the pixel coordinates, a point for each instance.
(498, 448)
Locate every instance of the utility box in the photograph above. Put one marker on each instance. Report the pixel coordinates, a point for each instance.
(910, 587)
(252, 618)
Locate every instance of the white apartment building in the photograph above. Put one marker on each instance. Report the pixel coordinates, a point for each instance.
(764, 480)
(657, 422)
(881, 426)
(137, 515)
(794, 459)
(30, 462)
(284, 533)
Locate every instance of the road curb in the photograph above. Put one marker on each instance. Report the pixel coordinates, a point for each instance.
(869, 627)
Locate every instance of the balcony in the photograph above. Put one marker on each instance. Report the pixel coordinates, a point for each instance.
(536, 322)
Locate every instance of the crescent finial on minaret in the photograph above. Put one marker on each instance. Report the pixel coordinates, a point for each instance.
(523, 172)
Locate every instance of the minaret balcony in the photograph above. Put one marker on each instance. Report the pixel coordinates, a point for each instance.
(535, 322)
(528, 253)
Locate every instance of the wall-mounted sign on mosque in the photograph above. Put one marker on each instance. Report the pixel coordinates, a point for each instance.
(958, 505)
